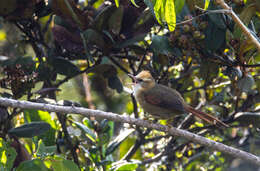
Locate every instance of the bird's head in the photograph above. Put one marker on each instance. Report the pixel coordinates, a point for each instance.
(143, 81)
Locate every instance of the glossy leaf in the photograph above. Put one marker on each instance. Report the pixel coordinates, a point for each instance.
(127, 166)
(93, 37)
(32, 115)
(131, 41)
(101, 20)
(44, 151)
(65, 67)
(207, 2)
(161, 45)
(60, 164)
(115, 20)
(32, 165)
(90, 134)
(247, 118)
(245, 16)
(159, 10)
(179, 4)
(215, 37)
(30, 130)
(117, 3)
(170, 15)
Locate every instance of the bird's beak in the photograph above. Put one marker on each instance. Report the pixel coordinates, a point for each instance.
(133, 77)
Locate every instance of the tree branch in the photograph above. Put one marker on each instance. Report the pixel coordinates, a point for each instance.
(245, 30)
(142, 123)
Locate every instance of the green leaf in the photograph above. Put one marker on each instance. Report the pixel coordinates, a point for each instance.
(30, 130)
(104, 126)
(107, 70)
(44, 151)
(179, 4)
(90, 134)
(133, 2)
(60, 164)
(115, 20)
(64, 67)
(93, 37)
(161, 45)
(159, 10)
(206, 5)
(245, 16)
(101, 20)
(127, 167)
(117, 3)
(88, 123)
(170, 15)
(247, 118)
(32, 115)
(143, 19)
(113, 145)
(214, 37)
(132, 41)
(7, 155)
(32, 165)
(115, 83)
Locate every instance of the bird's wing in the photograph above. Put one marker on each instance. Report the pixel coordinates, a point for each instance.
(166, 98)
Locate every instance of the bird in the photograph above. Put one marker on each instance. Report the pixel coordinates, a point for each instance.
(163, 102)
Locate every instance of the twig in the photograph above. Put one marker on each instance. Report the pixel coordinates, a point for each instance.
(142, 123)
(245, 30)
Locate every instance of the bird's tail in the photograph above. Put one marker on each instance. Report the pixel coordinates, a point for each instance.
(206, 117)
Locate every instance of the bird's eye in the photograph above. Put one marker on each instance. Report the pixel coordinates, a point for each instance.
(139, 80)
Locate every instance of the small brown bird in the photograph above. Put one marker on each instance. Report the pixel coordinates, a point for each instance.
(163, 102)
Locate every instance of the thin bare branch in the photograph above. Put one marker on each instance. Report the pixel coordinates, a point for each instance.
(142, 123)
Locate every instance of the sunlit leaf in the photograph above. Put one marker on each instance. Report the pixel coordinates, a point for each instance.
(170, 15)
(206, 5)
(91, 135)
(7, 155)
(117, 3)
(133, 2)
(159, 10)
(127, 166)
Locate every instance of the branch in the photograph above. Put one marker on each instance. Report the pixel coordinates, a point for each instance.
(245, 30)
(142, 123)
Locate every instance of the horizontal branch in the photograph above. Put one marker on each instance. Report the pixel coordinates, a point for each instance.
(142, 123)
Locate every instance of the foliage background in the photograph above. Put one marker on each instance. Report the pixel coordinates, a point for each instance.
(79, 53)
